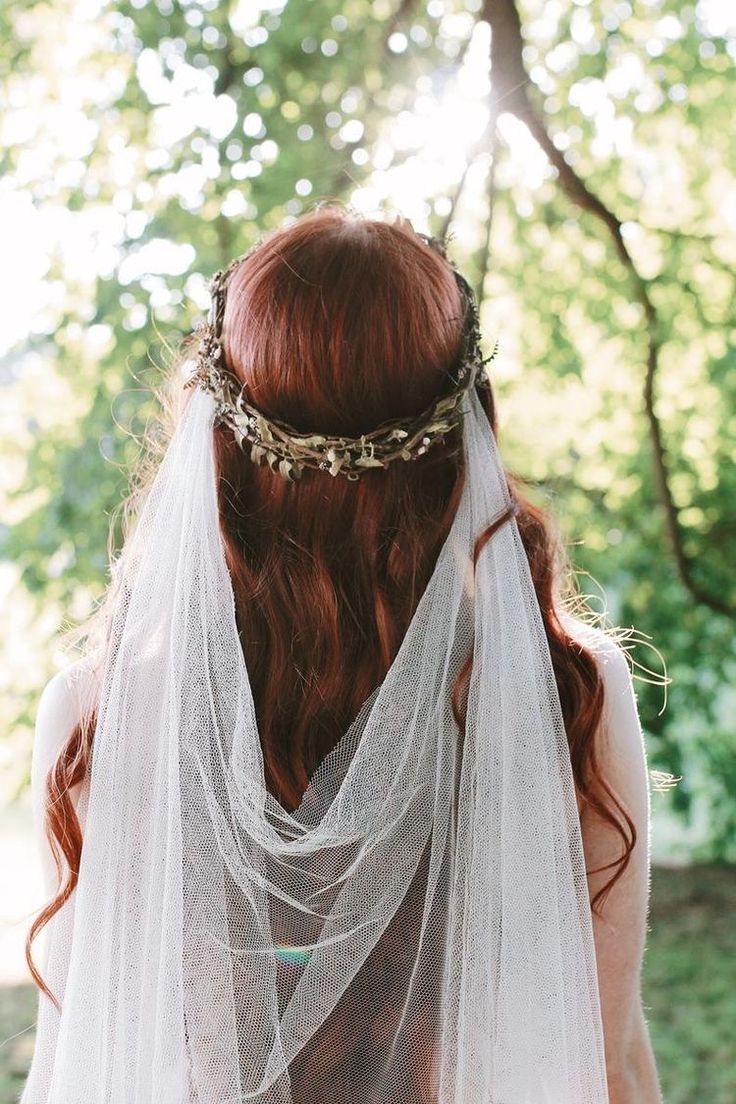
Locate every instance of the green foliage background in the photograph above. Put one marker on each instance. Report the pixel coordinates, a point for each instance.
(161, 138)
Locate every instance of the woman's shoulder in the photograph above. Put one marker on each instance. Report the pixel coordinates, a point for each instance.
(68, 693)
(610, 656)
(621, 743)
(63, 701)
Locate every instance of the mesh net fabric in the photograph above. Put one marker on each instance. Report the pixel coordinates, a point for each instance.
(417, 930)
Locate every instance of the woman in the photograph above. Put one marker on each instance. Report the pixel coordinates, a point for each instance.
(347, 807)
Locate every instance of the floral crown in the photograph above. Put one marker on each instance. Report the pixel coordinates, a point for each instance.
(288, 451)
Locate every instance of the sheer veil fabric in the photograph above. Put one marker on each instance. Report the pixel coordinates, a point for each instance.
(417, 931)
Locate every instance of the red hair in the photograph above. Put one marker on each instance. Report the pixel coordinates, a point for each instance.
(339, 322)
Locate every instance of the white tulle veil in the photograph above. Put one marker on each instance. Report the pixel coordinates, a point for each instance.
(418, 930)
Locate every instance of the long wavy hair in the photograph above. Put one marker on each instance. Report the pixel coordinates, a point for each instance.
(340, 322)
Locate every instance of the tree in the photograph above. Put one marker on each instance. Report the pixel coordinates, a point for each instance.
(583, 187)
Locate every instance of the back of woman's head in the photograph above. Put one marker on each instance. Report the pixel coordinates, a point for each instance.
(334, 324)
(339, 322)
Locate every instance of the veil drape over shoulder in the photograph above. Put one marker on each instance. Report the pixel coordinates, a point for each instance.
(418, 930)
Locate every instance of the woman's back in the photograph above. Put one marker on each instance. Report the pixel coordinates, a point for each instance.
(329, 762)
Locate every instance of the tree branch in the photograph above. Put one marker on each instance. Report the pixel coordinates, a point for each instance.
(485, 259)
(511, 87)
(401, 15)
(486, 142)
(455, 199)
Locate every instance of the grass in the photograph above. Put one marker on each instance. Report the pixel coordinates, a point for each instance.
(689, 991)
(17, 1010)
(690, 983)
